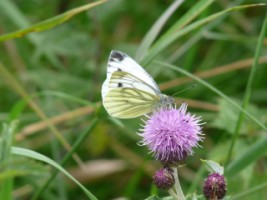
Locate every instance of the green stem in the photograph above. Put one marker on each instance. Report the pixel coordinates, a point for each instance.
(173, 194)
(177, 185)
(248, 88)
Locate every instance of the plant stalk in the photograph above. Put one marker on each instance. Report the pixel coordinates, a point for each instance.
(177, 186)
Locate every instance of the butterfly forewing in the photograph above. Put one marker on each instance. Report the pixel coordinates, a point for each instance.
(119, 61)
(120, 79)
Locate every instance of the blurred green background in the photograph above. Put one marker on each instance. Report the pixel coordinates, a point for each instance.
(62, 69)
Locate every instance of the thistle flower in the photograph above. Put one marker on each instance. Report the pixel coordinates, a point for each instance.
(170, 134)
(163, 178)
(214, 187)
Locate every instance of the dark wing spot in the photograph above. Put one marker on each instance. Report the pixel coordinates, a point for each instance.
(111, 59)
(116, 55)
(119, 70)
(120, 85)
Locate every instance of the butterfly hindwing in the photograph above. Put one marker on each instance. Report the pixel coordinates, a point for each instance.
(129, 102)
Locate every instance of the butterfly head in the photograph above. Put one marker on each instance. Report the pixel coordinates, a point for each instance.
(166, 101)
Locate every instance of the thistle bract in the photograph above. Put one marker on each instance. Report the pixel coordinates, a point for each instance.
(214, 187)
(163, 178)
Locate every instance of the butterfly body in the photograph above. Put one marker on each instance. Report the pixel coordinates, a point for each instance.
(129, 91)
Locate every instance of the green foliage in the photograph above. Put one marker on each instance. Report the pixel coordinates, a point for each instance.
(48, 24)
(213, 167)
(53, 63)
(37, 156)
(5, 160)
(229, 115)
(158, 198)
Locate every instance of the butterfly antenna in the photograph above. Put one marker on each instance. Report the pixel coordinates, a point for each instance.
(189, 87)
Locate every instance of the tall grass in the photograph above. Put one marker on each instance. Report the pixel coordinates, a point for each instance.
(52, 65)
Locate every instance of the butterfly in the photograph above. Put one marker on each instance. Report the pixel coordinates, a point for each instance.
(129, 91)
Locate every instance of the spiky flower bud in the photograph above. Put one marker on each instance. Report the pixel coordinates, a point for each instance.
(163, 178)
(214, 187)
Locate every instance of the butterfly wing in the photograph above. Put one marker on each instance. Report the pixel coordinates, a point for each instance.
(129, 96)
(128, 91)
(129, 102)
(119, 61)
(120, 79)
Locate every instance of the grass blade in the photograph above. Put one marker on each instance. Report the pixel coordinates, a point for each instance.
(164, 42)
(251, 154)
(76, 144)
(50, 23)
(196, 37)
(14, 84)
(17, 17)
(6, 139)
(206, 84)
(37, 156)
(188, 17)
(248, 87)
(154, 31)
(249, 191)
(68, 97)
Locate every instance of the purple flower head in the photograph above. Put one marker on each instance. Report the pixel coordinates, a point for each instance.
(170, 134)
(163, 178)
(214, 187)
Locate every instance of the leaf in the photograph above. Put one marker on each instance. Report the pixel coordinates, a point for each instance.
(40, 157)
(213, 167)
(51, 22)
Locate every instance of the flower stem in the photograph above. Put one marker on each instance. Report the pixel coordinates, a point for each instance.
(177, 185)
(173, 194)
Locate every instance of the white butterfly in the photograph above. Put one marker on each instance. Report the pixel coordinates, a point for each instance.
(129, 91)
